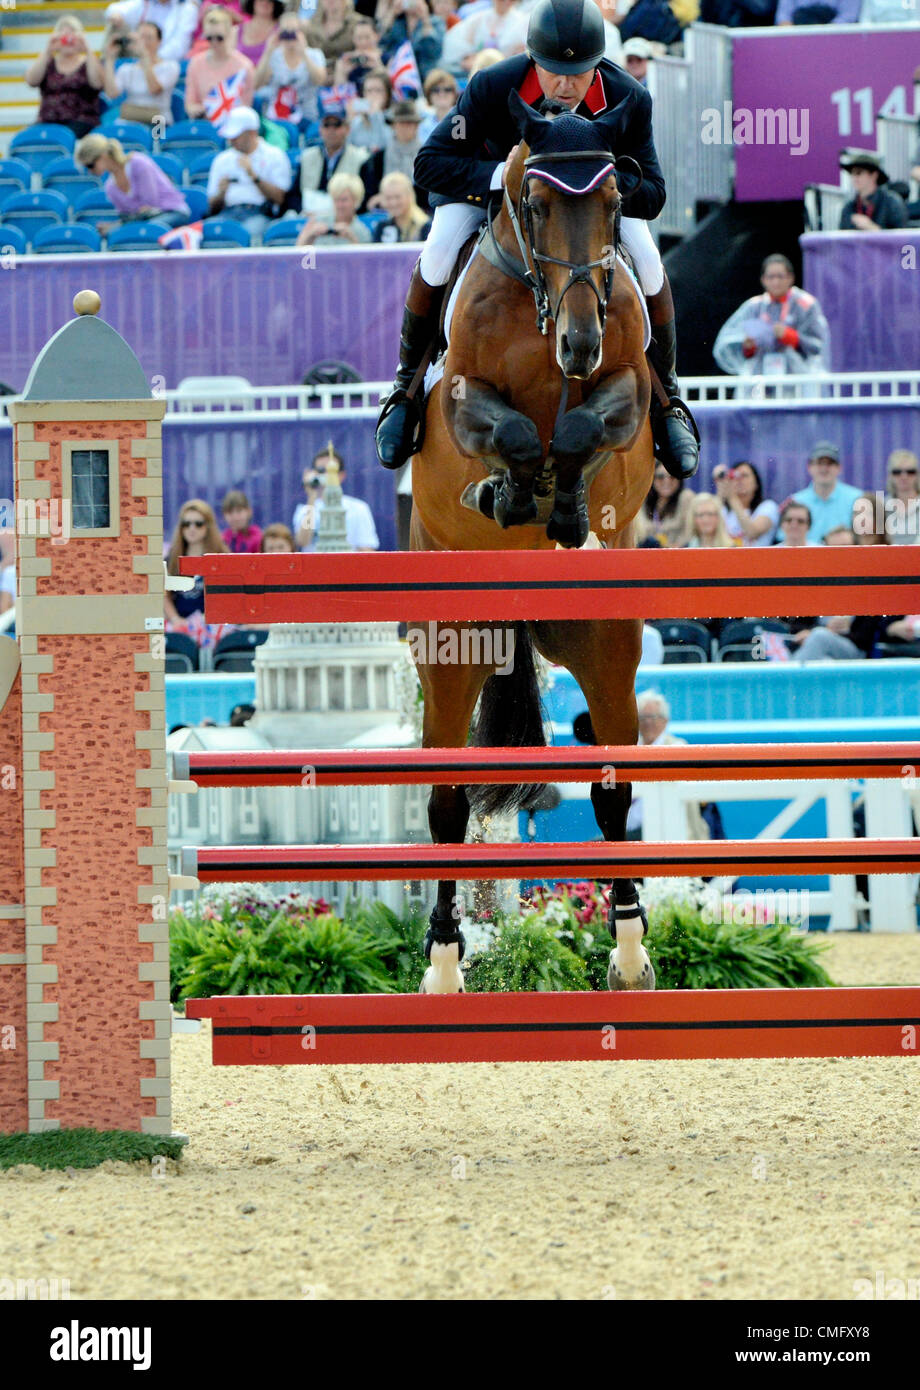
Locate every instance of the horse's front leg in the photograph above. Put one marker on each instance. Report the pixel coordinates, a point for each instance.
(485, 427)
(608, 419)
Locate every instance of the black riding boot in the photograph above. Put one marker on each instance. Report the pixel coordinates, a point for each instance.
(676, 437)
(400, 423)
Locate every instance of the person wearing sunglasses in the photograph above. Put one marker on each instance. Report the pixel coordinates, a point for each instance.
(902, 505)
(441, 92)
(196, 533)
(221, 78)
(290, 74)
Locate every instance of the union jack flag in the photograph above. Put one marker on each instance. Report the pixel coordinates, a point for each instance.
(775, 648)
(220, 100)
(187, 238)
(339, 95)
(404, 74)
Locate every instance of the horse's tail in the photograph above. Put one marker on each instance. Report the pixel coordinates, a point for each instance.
(509, 716)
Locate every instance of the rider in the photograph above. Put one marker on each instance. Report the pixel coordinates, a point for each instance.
(464, 163)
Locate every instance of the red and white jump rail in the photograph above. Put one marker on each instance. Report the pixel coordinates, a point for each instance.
(285, 1030)
(359, 767)
(508, 585)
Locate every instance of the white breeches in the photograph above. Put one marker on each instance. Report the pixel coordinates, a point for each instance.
(454, 222)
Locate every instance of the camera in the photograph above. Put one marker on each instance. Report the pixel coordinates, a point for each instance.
(315, 480)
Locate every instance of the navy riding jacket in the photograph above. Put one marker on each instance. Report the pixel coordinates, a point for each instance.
(456, 162)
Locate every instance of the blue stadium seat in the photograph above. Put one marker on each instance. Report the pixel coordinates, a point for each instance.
(172, 167)
(283, 233)
(72, 238)
(177, 103)
(68, 178)
(188, 140)
(111, 110)
(198, 202)
(224, 232)
(292, 129)
(373, 219)
(136, 236)
(39, 144)
(15, 177)
(12, 239)
(92, 207)
(310, 132)
(30, 212)
(199, 169)
(132, 134)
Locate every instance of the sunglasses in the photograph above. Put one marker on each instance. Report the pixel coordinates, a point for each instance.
(199, 525)
(332, 120)
(903, 472)
(215, 38)
(443, 88)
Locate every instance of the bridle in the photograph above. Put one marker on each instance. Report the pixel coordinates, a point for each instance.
(522, 223)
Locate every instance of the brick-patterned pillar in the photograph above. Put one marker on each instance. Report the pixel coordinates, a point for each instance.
(89, 620)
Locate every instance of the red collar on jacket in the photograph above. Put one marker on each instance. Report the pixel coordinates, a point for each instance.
(595, 99)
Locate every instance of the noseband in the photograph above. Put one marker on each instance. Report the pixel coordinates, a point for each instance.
(522, 223)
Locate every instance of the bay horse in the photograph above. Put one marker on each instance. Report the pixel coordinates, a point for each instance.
(533, 438)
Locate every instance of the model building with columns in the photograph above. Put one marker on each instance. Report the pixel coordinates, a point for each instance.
(84, 948)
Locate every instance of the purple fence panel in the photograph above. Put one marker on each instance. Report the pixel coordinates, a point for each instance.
(264, 315)
(868, 284)
(830, 84)
(206, 458)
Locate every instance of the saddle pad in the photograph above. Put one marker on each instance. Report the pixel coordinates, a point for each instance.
(436, 369)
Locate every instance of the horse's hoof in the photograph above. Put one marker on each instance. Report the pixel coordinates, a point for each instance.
(620, 979)
(570, 529)
(443, 975)
(513, 506)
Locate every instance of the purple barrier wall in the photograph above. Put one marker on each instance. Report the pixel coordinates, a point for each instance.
(799, 97)
(205, 459)
(263, 315)
(868, 284)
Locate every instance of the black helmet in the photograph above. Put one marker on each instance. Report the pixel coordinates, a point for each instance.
(566, 36)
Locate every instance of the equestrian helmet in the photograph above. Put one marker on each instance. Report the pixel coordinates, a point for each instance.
(566, 36)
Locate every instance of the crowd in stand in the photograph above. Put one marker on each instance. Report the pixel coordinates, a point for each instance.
(309, 89)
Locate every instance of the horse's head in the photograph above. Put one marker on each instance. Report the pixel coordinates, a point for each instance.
(567, 191)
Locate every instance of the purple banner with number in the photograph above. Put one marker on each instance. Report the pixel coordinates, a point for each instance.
(798, 99)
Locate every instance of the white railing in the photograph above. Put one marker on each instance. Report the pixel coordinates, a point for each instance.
(267, 403)
(824, 204)
(896, 140)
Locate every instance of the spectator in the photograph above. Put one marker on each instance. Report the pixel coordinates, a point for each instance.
(749, 517)
(868, 520)
(839, 535)
(290, 74)
(795, 520)
(199, 42)
(241, 715)
(361, 533)
(824, 12)
(779, 333)
(175, 19)
(828, 499)
(405, 219)
(503, 26)
(147, 84)
(335, 155)
(707, 524)
(654, 717)
(874, 208)
(248, 181)
(651, 19)
(902, 506)
(441, 93)
(332, 29)
(347, 194)
(412, 20)
(666, 511)
(136, 187)
(364, 58)
(636, 54)
(241, 536)
(221, 79)
(399, 151)
(485, 58)
(369, 125)
(278, 539)
(7, 570)
(70, 77)
(196, 533)
(260, 25)
(446, 10)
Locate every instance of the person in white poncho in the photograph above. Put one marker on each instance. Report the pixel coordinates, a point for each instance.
(781, 332)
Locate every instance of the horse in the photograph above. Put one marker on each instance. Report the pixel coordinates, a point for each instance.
(535, 439)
